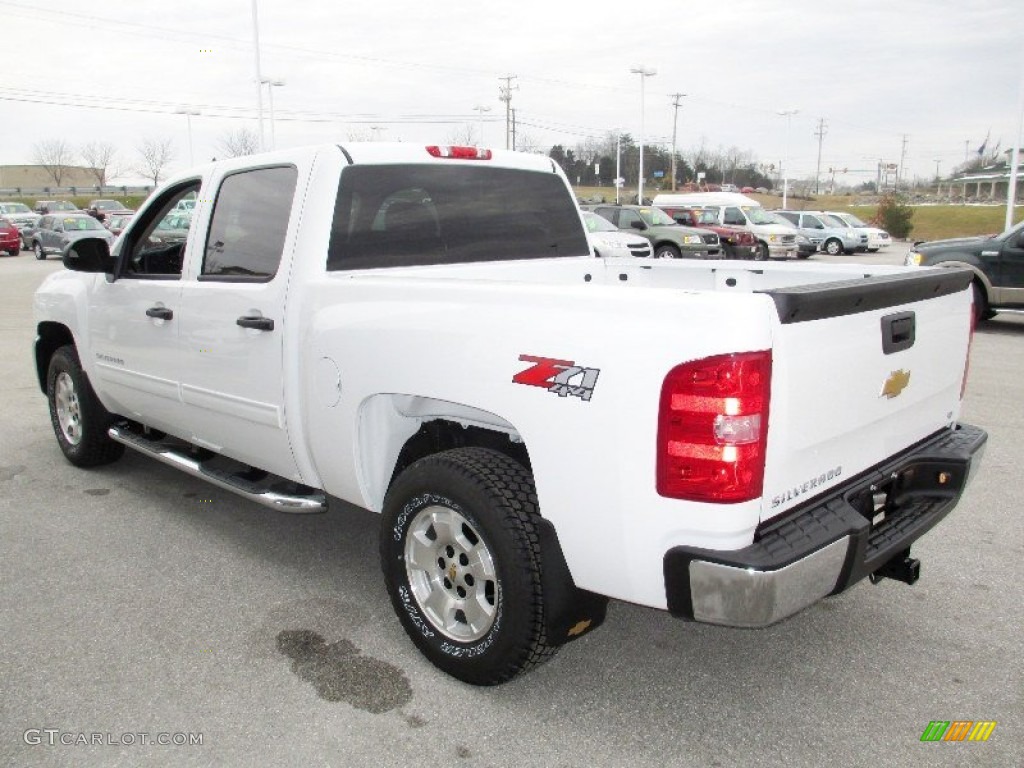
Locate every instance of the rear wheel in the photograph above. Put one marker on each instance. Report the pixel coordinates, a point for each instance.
(80, 421)
(460, 551)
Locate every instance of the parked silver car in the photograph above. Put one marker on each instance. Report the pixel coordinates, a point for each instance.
(609, 241)
(831, 236)
(22, 217)
(54, 232)
(877, 238)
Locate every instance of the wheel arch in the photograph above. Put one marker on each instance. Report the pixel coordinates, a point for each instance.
(50, 336)
(417, 427)
(394, 430)
(956, 263)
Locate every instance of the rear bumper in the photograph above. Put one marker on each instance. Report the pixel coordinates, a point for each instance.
(830, 543)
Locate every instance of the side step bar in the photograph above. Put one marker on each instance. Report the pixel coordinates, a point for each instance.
(297, 503)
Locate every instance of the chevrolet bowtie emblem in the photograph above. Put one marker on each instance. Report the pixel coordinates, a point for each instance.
(895, 384)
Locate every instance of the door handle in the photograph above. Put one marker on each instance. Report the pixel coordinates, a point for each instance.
(256, 322)
(160, 313)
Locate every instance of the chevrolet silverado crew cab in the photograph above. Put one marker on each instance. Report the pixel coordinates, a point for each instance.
(424, 332)
(996, 261)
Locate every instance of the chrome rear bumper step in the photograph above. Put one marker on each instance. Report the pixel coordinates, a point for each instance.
(261, 492)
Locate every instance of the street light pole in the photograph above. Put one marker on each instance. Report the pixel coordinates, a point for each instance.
(259, 76)
(788, 114)
(189, 113)
(271, 85)
(480, 109)
(644, 73)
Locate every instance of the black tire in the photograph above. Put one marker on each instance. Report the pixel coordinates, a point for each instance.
(761, 254)
(981, 308)
(79, 420)
(40, 253)
(803, 254)
(832, 247)
(667, 252)
(459, 540)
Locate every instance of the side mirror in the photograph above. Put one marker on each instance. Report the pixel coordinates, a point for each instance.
(637, 225)
(90, 254)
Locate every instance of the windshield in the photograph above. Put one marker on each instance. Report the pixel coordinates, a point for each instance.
(852, 220)
(597, 223)
(107, 205)
(61, 205)
(1011, 231)
(757, 215)
(655, 217)
(15, 208)
(80, 224)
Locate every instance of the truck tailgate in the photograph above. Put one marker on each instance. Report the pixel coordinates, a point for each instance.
(862, 369)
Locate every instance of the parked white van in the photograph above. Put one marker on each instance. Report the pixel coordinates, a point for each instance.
(776, 240)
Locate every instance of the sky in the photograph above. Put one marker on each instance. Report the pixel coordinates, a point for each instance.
(921, 82)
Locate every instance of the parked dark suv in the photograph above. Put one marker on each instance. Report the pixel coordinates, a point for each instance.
(996, 260)
(669, 239)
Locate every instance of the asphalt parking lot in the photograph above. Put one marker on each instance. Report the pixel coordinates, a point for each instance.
(137, 602)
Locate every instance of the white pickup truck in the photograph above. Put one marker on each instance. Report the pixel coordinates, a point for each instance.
(424, 331)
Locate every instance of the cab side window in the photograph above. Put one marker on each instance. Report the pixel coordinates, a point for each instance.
(249, 225)
(627, 218)
(155, 246)
(734, 216)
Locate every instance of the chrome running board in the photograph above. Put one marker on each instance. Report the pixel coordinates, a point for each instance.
(257, 491)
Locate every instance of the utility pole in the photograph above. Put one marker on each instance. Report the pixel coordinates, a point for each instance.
(903, 155)
(513, 129)
(505, 94)
(676, 97)
(820, 133)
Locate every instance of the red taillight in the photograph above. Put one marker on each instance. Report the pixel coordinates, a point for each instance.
(460, 153)
(713, 428)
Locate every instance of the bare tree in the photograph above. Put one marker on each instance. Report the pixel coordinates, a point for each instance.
(359, 134)
(155, 154)
(526, 142)
(55, 156)
(243, 141)
(462, 137)
(99, 157)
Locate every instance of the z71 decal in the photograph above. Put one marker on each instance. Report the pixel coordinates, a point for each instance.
(563, 377)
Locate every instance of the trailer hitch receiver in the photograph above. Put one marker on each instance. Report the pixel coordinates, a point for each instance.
(903, 568)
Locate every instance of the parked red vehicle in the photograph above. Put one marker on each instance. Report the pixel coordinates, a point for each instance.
(10, 239)
(737, 242)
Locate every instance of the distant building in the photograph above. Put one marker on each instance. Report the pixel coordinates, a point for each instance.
(35, 177)
(989, 183)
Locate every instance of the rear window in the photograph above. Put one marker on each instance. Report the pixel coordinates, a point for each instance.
(405, 215)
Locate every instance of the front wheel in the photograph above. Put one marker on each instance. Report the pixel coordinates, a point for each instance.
(80, 421)
(667, 252)
(761, 254)
(40, 253)
(461, 557)
(833, 247)
(980, 302)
